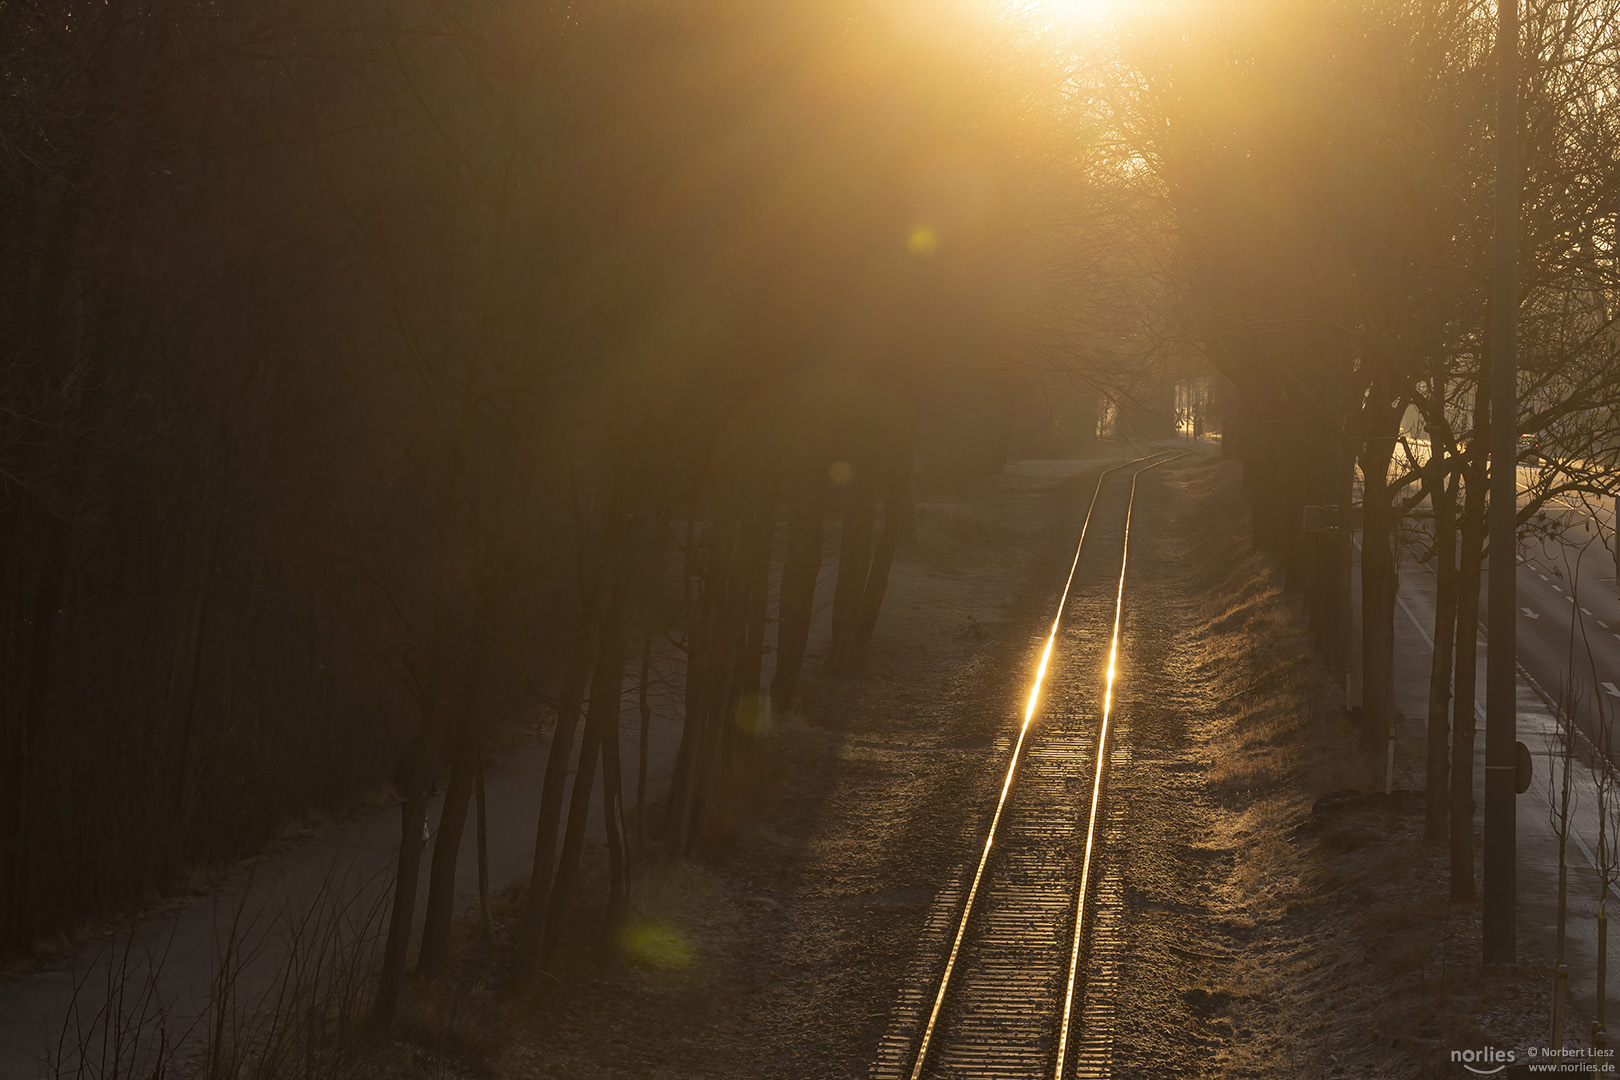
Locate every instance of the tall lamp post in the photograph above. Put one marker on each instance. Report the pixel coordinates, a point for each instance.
(1500, 669)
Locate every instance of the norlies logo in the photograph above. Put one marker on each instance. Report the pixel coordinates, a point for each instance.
(1487, 1061)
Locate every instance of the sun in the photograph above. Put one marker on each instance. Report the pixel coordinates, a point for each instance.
(1049, 20)
(1067, 11)
(1068, 28)
(1058, 14)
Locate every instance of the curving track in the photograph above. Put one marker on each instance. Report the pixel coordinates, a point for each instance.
(1025, 987)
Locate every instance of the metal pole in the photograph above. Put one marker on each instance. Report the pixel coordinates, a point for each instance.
(1560, 990)
(1500, 673)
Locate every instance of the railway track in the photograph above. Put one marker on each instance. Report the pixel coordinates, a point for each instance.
(1017, 973)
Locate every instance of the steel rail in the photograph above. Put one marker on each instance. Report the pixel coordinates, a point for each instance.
(1012, 766)
(1097, 779)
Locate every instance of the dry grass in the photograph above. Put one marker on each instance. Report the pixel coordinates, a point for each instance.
(1344, 956)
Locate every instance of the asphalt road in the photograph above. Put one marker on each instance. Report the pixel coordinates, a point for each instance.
(1543, 634)
(1568, 628)
(1569, 624)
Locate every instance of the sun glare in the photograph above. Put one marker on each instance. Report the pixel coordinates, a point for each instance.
(1059, 12)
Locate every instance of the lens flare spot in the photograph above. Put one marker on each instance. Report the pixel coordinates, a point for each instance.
(754, 714)
(922, 242)
(840, 473)
(657, 944)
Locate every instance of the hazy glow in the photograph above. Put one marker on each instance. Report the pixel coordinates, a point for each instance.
(922, 242)
(754, 714)
(657, 944)
(1063, 12)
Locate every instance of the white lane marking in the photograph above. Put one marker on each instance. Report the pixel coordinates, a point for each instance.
(1410, 614)
(1603, 624)
(1584, 611)
(1556, 589)
(1610, 689)
(1533, 615)
(1543, 577)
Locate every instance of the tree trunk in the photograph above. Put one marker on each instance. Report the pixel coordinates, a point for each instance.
(601, 723)
(1313, 547)
(199, 625)
(441, 903)
(721, 754)
(801, 566)
(709, 662)
(1377, 596)
(1323, 549)
(1338, 484)
(1292, 480)
(551, 793)
(684, 779)
(701, 586)
(41, 662)
(1437, 788)
(644, 707)
(561, 899)
(753, 713)
(854, 556)
(1332, 482)
(1269, 493)
(713, 715)
(896, 516)
(483, 851)
(413, 815)
(1462, 729)
(733, 701)
(613, 787)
